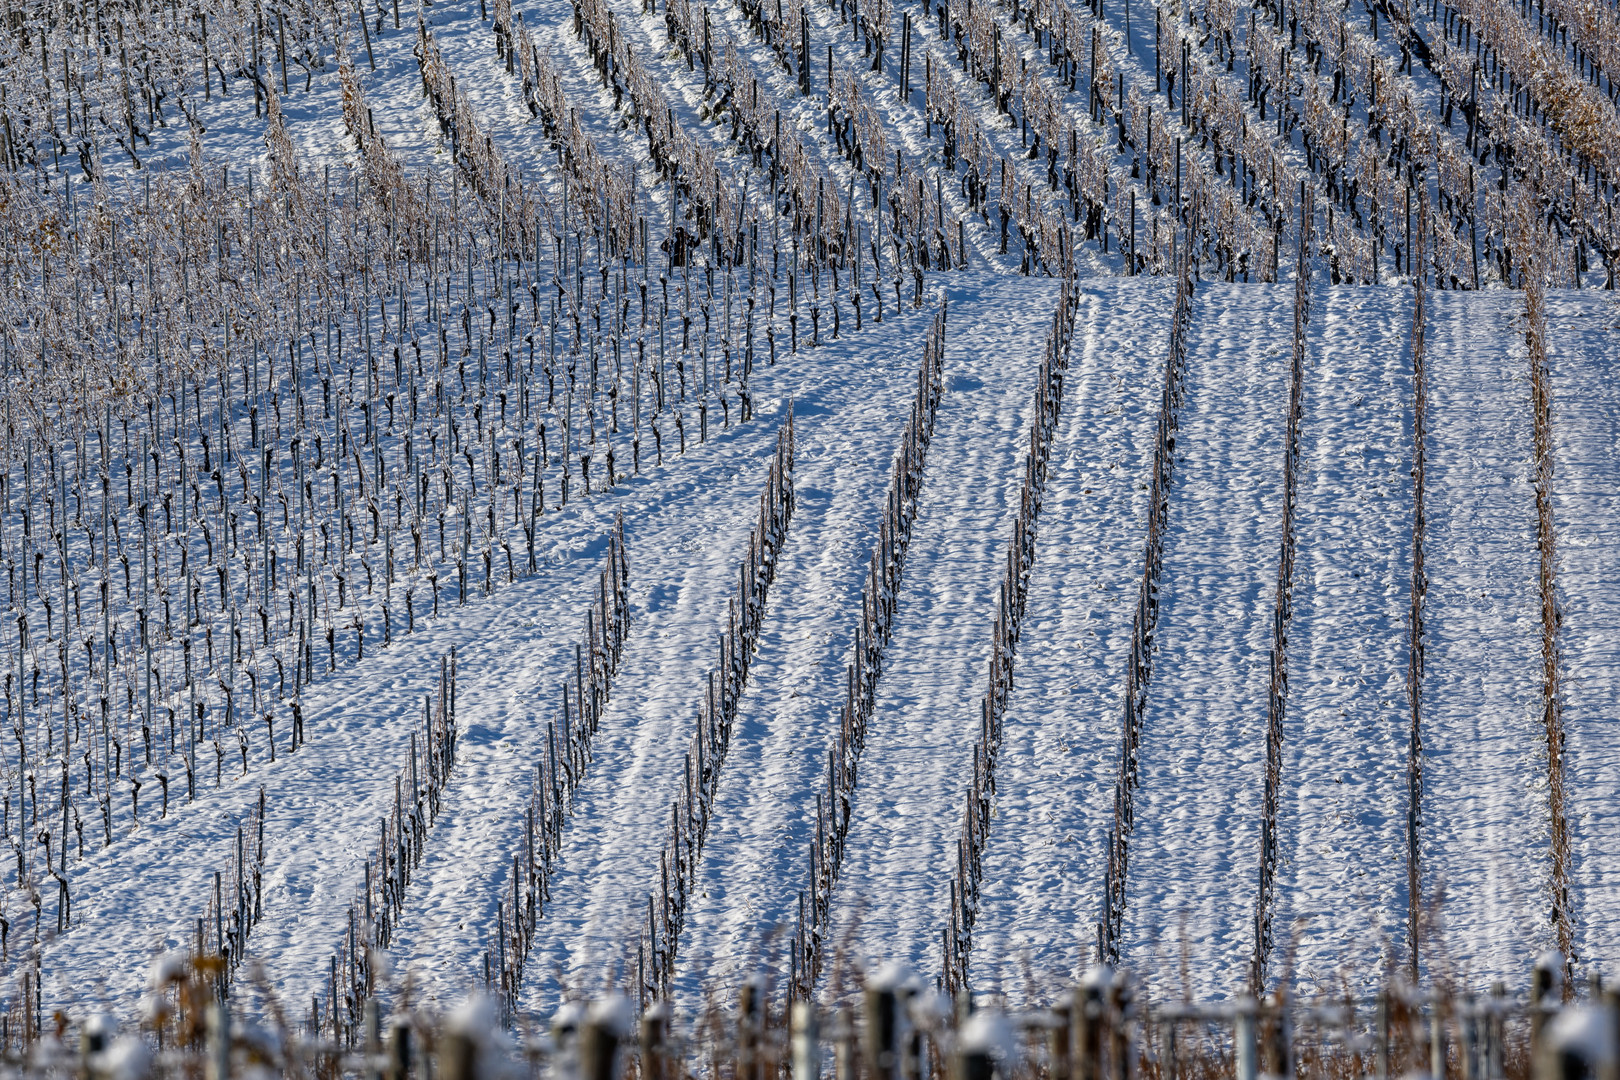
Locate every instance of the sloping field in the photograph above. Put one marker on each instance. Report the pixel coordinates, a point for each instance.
(340, 348)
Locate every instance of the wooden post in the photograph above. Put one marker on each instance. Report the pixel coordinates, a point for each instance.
(1243, 1036)
(805, 1037)
(281, 49)
(1086, 1023)
(1437, 1037)
(880, 1035)
(1546, 990)
(654, 1034)
(750, 1027)
(977, 1042)
(1058, 1041)
(1381, 1037)
(607, 1022)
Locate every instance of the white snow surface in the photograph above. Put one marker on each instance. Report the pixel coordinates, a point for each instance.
(894, 888)
(1193, 872)
(1341, 892)
(1043, 869)
(1194, 854)
(686, 526)
(1583, 335)
(846, 432)
(1485, 835)
(757, 858)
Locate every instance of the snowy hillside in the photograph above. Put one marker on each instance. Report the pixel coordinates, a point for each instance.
(341, 349)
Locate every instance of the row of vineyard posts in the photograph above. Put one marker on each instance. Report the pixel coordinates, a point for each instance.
(371, 265)
(291, 423)
(1535, 336)
(1535, 90)
(560, 772)
(1281, 614)
(1415, 626)
(690, 810)
(402, 836)
(890, 1028)
(1011, 604)
(873, 628)
(1144, 624)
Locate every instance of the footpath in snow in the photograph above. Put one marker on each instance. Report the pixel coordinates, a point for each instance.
(1195, 851)
(1341, 886)
(1582, 341)
(1043, 867)
(1484, 843)
(894, 889)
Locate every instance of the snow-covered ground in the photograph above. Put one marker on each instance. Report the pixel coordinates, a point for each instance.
(757, 857)
(684, 526)
(1583, 336)
(1341, 885)
(850, 399)
(324, 800)
(1341, 881)
(1060, 747)
(1484, 840)
(1195, 849)
(894, 888)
